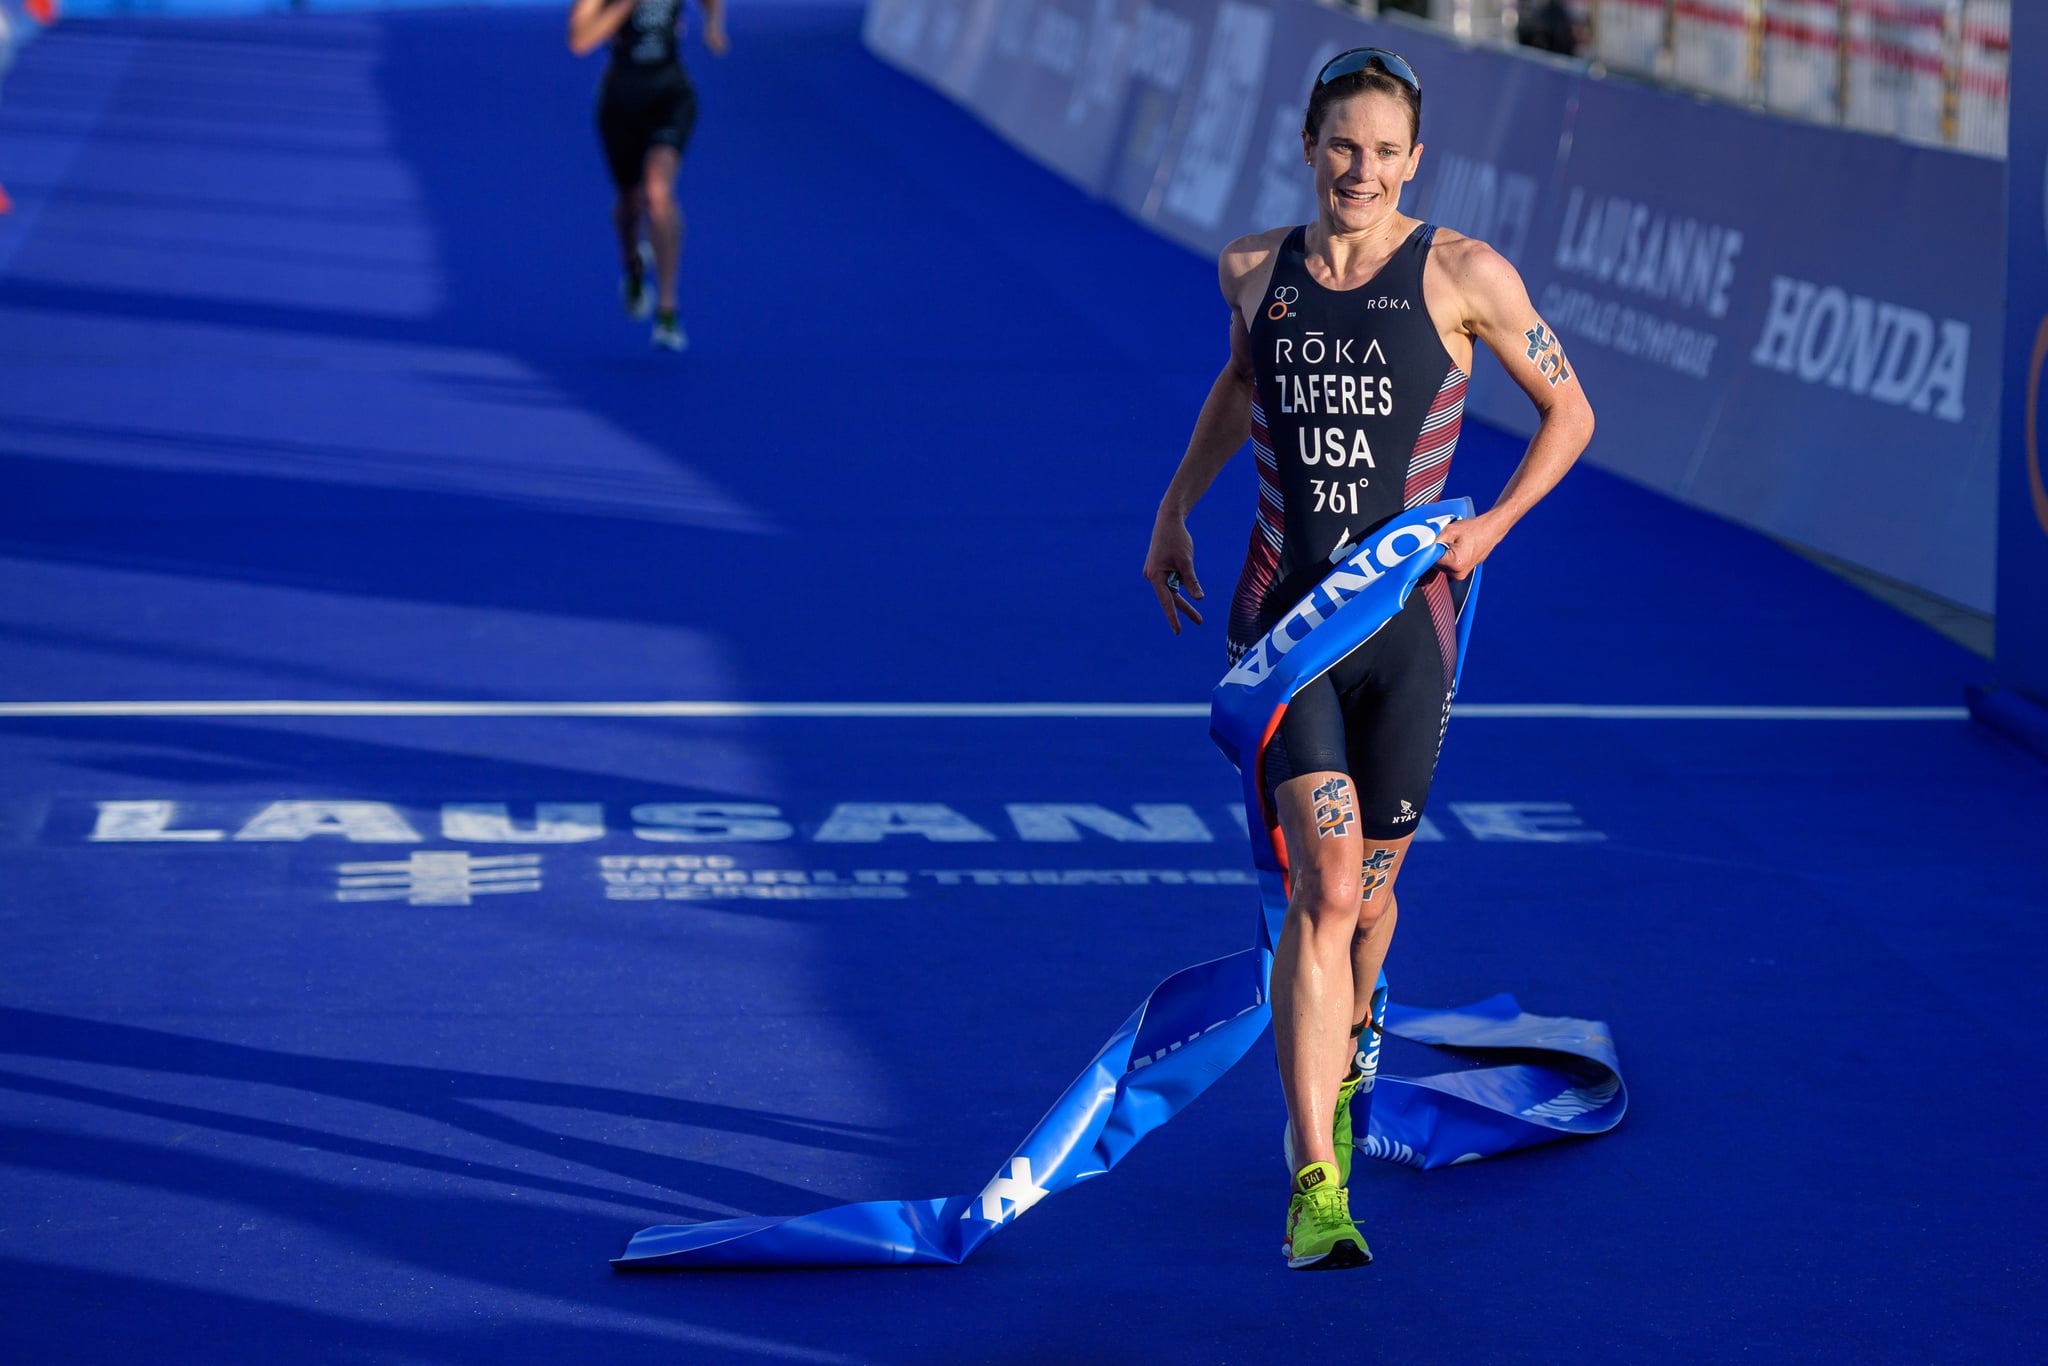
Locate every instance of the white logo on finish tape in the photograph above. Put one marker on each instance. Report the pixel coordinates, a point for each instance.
(1017, 1188)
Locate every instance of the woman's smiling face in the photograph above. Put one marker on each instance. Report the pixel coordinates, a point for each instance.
(1362, 158)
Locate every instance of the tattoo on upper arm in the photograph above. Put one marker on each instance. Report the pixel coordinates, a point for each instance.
(1334, 811)
(1548, 355)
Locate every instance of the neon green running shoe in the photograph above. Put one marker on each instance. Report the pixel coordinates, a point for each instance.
(1320, 1234)
(1340, 1131)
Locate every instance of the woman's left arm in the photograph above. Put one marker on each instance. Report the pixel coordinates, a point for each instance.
(1497, 311)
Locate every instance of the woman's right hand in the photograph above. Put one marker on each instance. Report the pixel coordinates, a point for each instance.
(1170, 567)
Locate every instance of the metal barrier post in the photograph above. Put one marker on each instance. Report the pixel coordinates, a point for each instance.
(1951, 70)
(1753, 18)
(1842, 63)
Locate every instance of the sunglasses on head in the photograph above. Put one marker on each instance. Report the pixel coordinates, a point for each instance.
(1364, 58)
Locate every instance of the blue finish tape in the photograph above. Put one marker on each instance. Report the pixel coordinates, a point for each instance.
(1563, 1078)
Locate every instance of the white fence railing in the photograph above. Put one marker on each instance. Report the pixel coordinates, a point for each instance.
(1983, 81)
(1929, 70)
(1712, 46)
(1898, 73)
(1801, 58)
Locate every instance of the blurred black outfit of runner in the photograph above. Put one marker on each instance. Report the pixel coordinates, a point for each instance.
(645, 98)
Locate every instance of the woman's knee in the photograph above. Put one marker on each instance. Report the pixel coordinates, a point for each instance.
(1327, 900)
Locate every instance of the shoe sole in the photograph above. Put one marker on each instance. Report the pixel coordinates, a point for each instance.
(1343, 1255)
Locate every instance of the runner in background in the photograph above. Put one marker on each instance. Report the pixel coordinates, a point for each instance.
(1351, 339)
(18, 24)
(645, 110)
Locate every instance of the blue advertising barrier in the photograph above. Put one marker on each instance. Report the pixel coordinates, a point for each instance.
(2023, 491)
(2013, 714)
(1793, 326)
(1564, 1078)
(1758, 346)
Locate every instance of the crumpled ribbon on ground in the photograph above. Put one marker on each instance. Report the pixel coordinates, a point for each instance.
(1538, 1078)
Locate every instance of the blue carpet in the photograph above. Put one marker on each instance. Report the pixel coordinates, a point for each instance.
(316, 387)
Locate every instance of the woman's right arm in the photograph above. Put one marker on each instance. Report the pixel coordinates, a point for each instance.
(593, 22)
(1224, 426)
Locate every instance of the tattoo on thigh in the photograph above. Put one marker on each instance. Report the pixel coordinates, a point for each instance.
(1334, 812)
(1374, 872)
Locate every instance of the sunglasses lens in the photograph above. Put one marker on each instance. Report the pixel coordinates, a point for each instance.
(1359, 58)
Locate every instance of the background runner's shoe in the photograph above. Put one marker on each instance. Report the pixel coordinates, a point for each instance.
(634, 290)
(668, 333)
(1320, 1234)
